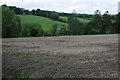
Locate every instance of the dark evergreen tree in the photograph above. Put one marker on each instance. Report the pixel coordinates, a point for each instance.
(33, 12)
(38, 12)
(75, 27)
(106, 23)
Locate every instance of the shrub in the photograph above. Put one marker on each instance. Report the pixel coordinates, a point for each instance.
(54, 29)
(33, 30)
(61, 31)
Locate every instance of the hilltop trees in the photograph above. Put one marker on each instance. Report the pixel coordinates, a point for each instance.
(11, 25)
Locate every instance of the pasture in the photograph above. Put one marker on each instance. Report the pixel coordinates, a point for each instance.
(46, 23)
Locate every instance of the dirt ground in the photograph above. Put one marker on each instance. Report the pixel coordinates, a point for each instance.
(84, 56)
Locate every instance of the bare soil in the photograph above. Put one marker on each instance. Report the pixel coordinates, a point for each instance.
(84, 56)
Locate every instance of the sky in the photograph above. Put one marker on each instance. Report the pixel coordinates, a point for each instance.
(80, 6)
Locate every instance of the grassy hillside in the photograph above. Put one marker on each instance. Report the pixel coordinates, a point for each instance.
(45, 22)
(84, 21)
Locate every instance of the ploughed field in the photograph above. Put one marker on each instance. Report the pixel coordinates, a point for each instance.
(83, 56)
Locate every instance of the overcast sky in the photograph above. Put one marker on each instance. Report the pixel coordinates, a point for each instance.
(80, 6)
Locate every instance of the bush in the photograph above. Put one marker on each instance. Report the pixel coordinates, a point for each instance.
(33, 30)
(54, 29)
(54, 16)
(61, 31)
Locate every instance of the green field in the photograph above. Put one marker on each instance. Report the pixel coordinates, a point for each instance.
(84, 21)
(46, 23)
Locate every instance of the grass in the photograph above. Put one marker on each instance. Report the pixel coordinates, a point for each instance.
(46, 23)
(82, 20)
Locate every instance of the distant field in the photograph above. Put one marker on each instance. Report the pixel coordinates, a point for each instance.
(82, 20)
(45, 22)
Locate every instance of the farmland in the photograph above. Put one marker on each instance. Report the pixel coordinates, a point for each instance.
(84, 56)
(46, 23)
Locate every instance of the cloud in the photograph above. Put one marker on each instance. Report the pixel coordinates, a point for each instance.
(81, 6)
(119, 6)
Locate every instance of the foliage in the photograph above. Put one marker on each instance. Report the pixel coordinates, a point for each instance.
(118, 23)
(45, 13)
(33, 12)
(33, 30)
(82, 20)
(50, 23)
(54, 29)
(38, 12)
(11, 23)
(75, 26)
(54, 16)
(61, 31)
(106, 23)
(101, 24)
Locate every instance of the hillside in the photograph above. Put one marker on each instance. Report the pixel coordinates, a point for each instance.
(82, 20)
(45, 22)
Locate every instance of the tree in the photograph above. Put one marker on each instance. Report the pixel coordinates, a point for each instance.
(106, 23)
(26, 12)
(10, 23)
(32, 29)
(97, 22)
(74, 26)
(118, 22)
(54, 16)
(87, 28)
(17, 26)
(33, 12)
(38, 12)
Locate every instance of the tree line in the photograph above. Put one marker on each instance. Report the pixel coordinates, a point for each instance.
(100, 24)
(45, 13)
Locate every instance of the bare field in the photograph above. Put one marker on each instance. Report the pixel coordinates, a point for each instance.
(84, 56)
